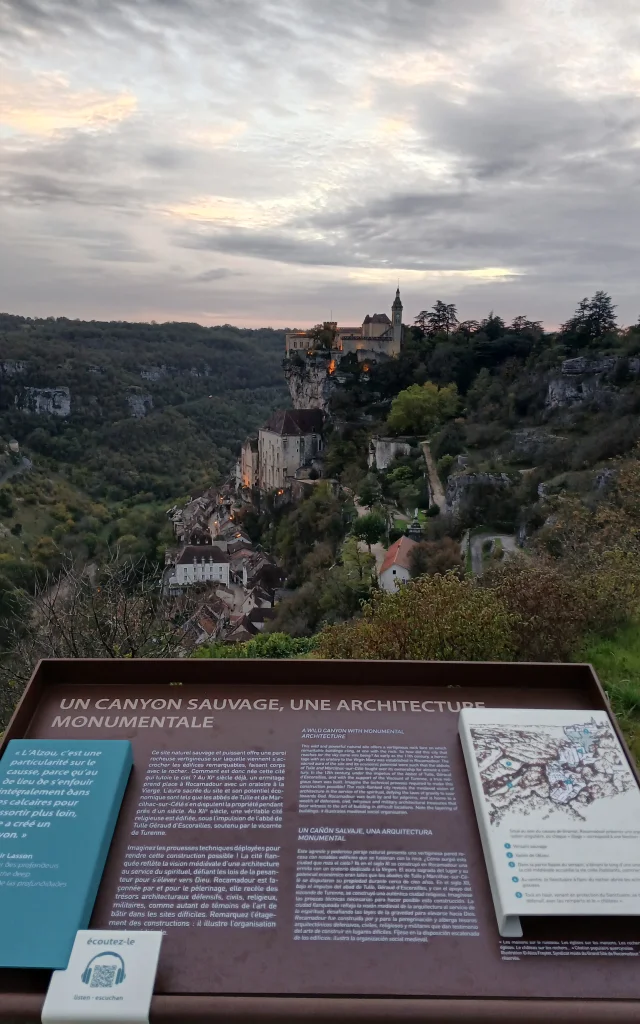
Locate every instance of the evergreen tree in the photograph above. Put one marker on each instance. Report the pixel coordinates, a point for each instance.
(369, 492)
(468, 328)
(421, 320)
(592, 321)
(493, 326)
(602, 318)
(442, 319)
(521, 324)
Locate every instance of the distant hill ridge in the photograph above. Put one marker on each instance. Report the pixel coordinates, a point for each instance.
(136, 407)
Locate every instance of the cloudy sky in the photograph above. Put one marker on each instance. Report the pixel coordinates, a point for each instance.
(270, 162)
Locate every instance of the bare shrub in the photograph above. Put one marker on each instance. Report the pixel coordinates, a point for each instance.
(118, 611)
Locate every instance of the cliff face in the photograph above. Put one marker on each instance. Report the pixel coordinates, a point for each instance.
(460, 486)
(310, 383)
(589, 379)
(54, 401)
(139, 405)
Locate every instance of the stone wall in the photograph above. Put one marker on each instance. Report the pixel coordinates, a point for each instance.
(383, 450)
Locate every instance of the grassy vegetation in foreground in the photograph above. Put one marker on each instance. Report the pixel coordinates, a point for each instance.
(617, 663)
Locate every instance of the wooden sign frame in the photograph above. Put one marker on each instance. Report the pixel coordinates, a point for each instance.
(22, 993)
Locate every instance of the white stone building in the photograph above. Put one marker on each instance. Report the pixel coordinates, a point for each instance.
(290, 440)
(196, 564)
(378, 335)
(396, 568)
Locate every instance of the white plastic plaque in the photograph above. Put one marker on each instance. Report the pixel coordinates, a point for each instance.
(110, 977)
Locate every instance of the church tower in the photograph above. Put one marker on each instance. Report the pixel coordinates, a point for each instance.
(396, 321)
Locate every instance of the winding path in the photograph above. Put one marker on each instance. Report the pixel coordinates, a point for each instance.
(437, 493)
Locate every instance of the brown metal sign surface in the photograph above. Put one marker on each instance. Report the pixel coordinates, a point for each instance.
(319, 839)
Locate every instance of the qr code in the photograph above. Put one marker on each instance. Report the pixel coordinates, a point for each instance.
(103, 976)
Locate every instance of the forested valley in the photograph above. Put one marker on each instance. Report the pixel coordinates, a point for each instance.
(105, 425)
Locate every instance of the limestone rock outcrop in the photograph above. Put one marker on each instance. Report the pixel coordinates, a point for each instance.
(45, 401)
(460, 485)
(139, 404)
(589, 379)
(310, 383)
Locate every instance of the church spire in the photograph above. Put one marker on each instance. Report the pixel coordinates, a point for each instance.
(396, 321)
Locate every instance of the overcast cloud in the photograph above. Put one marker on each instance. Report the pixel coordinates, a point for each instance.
(270, 162)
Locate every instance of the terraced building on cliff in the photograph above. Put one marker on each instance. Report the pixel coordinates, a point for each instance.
(379, 336)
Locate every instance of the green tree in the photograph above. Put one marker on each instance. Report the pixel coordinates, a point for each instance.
(479, 390)
(442, 319)
(492, 326)
(320, 518)
(421, 320)
(521, 325)
(265, 645)
(420, 408)
(369, 492)
(323, 335)
(370, 528)
(467, 328)
(592, 321)
(450, 440)
(601, 316)
(358, 564)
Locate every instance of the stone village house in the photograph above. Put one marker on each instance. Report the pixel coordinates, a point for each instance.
(200, 564)
(396, 567)
(289, 440)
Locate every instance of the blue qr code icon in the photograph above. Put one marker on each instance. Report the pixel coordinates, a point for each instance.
(103, 975)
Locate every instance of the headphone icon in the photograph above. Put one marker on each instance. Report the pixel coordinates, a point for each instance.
(120, 975)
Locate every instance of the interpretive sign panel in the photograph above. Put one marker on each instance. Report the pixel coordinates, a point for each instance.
(59, 802)
(320, 838)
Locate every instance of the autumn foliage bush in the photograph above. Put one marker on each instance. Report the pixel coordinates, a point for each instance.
(434, 618)
(525, 610)
(552, 605)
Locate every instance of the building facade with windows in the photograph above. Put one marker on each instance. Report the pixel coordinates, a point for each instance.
(196, 564)
(289, 440)
(378, 335)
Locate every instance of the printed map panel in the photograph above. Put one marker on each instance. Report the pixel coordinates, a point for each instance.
(549, 768)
